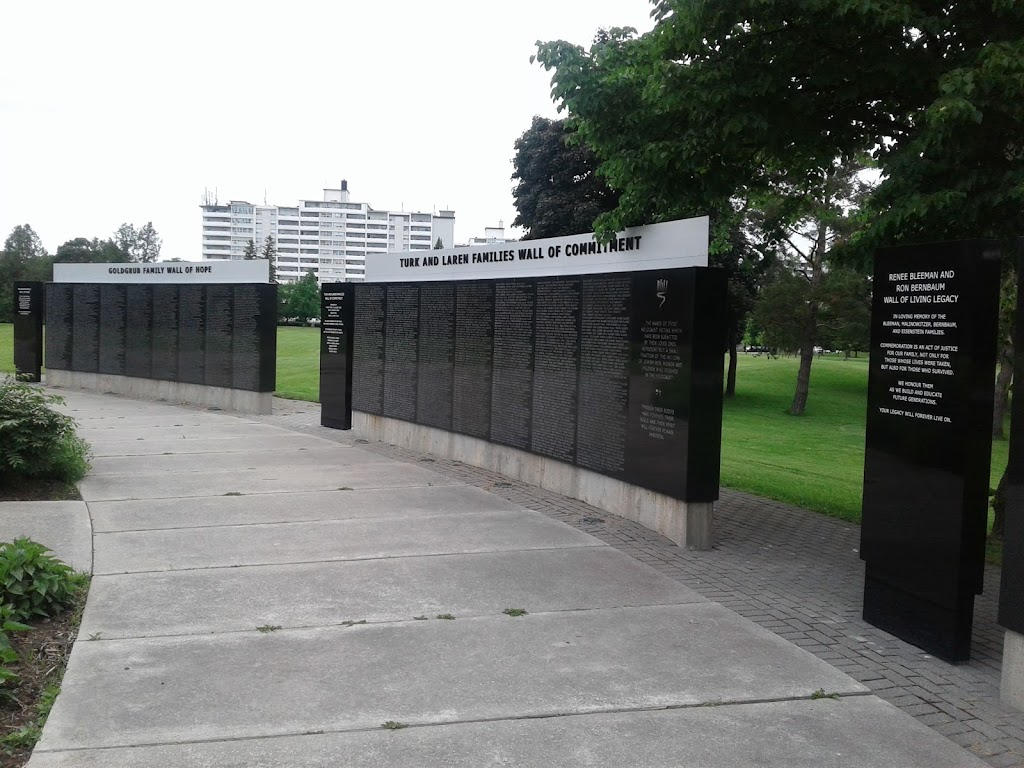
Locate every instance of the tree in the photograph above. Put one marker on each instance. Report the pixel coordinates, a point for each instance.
(724, 94)
(558, 191)
(141, 244)
(23, 252)
(270, 254)
(250, 250)
(439, 244)
(80, 250)
(302, 300)
(1004, 377)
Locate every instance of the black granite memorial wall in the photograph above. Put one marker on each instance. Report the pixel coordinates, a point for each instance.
(620, 374)
(928, 441)
(28, 331)
(216, 335)
(337, 312)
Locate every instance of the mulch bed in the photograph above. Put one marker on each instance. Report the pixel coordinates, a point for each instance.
(39, 490)
(43, 653)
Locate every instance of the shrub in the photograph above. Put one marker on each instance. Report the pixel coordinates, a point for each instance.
(35, 440)
(33, 583)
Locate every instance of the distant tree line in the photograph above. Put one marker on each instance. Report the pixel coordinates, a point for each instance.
(24, 258)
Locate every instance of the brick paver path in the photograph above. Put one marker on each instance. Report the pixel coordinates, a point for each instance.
(795, 572)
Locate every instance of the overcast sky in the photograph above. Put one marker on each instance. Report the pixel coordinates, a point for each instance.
(113, 112)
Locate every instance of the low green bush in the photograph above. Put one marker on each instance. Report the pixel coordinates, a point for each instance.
(35, 440)
(33, 583)
(7, 653)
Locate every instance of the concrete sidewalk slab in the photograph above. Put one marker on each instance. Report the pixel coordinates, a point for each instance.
(325, 456)
(135, 692)
(266, 480)
(792, 734)
(63, 526)
(146, 421)
(155, 445)
(185, 548)
(397, 589)
(198, 512)
(255, 430)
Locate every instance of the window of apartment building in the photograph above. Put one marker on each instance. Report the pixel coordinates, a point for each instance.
(354, 216)
(376, 226)
(287, 250)
(376, 236)
(310, 214)
(421, 217)
(419, 237)
(415, 228)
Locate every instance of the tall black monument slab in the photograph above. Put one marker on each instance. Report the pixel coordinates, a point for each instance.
(674, 431)
(1011, 588)
(337, 322)
(28, 331)
(928, 441)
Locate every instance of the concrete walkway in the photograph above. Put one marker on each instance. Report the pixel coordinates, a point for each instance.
(236, 563)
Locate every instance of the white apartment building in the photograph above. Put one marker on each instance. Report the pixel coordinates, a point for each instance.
(333, 237)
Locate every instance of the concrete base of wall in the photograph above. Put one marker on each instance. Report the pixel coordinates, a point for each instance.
(687, 524)
(238, 400)
(1011, 688)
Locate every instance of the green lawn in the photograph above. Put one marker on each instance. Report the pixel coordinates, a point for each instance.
(814, 461)
(6, 348)
(298, 363)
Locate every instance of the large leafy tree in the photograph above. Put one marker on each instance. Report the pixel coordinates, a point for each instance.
(142, 244)
(557, 191)
(728, 103)
(22, 254)
(302, 299)
(723, 95)
(81, 250)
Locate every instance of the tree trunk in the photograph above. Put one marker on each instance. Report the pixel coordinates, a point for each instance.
(1002, 395)
(730, 378)
(810, 332)
(999, 507)
(803, 376)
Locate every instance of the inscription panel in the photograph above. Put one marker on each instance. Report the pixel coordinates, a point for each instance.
(113, 329)
(474, 358)
(556, 368)
(368, 350)
(139, 331)
(436, 355)
(165, 332)
(60, 306)
(400, 365)
(192, 334)
(512, 387)
(86, 351)
(219, 331)
(604, 373)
